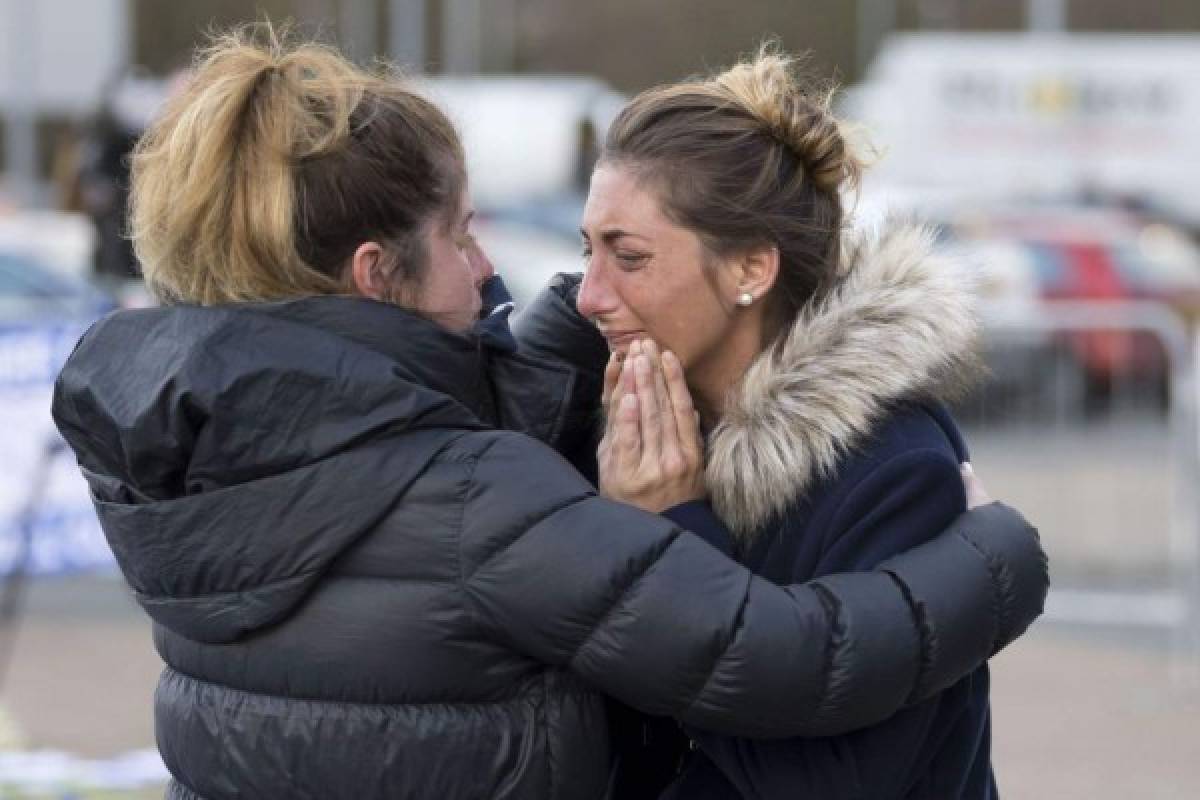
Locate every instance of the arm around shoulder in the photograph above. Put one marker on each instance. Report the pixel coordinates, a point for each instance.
(663, 621)
(974, 586)
(991, 546)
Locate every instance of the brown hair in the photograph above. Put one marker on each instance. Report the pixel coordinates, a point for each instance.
(752, 156)
(275, 162)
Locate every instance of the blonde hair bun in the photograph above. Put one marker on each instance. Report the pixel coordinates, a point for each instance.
(797, 113)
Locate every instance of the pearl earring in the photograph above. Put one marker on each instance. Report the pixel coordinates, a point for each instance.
(745, 299)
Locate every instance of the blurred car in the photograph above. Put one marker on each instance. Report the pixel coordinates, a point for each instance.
(1095, 255)
(560, 215)
(1018, 357)
(527, 137)
(57, 240)
(31, 292)
(525, 255)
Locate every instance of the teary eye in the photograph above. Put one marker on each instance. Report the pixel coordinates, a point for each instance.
(631, 260)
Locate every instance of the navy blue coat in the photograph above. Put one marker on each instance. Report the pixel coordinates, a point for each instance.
(887, 496)
(834, 452)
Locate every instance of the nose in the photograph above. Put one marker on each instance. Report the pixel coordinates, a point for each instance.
(481, 265)
(596, 294)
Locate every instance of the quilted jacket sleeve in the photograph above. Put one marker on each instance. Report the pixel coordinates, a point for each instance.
(898, 505)
(659, 619)
(552, 329)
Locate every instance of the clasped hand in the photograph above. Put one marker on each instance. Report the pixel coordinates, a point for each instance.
(651, 455)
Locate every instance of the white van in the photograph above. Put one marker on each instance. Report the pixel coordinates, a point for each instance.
(527, 137)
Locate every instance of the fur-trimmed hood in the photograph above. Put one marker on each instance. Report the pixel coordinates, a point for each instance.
(899, 323)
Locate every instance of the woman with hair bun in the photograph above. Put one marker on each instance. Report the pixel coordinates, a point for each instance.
(326, 472)
(819, 360)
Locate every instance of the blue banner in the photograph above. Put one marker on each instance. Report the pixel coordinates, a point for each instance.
(47, 525)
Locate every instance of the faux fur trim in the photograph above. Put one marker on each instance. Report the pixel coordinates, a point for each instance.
(899, 323)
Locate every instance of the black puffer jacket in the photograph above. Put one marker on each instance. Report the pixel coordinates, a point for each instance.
(362, 589)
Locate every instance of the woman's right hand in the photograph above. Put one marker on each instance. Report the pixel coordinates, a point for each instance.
(651, 455)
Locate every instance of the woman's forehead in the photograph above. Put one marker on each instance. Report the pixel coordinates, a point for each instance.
(619, 202)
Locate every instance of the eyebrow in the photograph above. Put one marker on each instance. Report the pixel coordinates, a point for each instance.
(611, 235)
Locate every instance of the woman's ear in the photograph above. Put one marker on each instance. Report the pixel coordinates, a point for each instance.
(364, 270)
(757, 271)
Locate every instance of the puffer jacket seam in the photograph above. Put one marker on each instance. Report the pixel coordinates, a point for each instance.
(378, 438)
(653, 559)
(500, 548)
(549, 511)
(470, 464)
(927, 637)
(926, 634)
(1002, 592)
(542, 723)
(831, 691)
(224, 687)
(299, 577)
(404, 579)
(738, 625)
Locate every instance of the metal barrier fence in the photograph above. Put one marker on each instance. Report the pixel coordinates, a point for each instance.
(1138, 586)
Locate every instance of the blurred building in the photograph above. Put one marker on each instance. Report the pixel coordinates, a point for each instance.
(631, 43)
(56, 59)
(75, 46)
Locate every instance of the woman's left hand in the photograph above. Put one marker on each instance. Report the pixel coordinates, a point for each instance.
(651, 455)
(977, 494)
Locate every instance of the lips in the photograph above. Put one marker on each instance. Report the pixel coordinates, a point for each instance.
(619, 340)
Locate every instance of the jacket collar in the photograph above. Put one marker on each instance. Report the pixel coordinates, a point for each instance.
(424, 353)
(898, 323)
(480, 369)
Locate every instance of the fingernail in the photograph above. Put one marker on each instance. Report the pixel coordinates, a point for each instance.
(643, 363)
(629, 401)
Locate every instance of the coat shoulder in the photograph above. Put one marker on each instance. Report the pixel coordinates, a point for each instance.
(897, 487)
(910, 435)
(911, 459)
